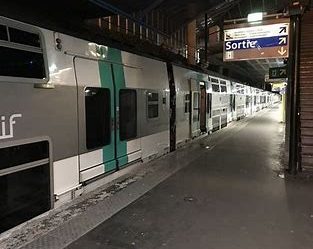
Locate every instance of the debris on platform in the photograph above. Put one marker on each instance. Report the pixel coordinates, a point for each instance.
(281, 175)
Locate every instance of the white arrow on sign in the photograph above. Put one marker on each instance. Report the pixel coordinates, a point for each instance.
(282, 40)
(282, 72)
(282, 51)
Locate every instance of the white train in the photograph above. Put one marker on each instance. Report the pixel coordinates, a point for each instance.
(73, 111)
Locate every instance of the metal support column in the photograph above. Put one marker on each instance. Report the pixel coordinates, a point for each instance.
(206, 37)
(293, 85)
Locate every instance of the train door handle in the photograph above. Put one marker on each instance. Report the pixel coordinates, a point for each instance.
(112, 124)
(117, 123)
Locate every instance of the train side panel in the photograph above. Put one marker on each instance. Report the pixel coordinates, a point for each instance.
(191, 104)
(149, 77)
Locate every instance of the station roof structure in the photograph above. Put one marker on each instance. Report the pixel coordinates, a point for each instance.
(72, 14)
(178, 11)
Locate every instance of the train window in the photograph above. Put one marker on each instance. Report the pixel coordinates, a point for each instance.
(248, 100)
(187, 103)
(21, 63)
(223, 88)
(98, 129)
(196, 106)
(153, 96)
(232, 102)
(3, 33)
(128, 114)
(23, 37)
(215, 88)
(209, 105)
(18, 60)
(153, 104)
(24, 195)
(22, 154)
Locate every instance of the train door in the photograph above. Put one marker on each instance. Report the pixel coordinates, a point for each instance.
(170, 73)
(203, 107)
(127, 103)
(107, 112)
(248, 104)
(254, 104)
(209, 112)
(216, 104)
(128, 148)
(233, 105)
(195, 109)
(96, 112)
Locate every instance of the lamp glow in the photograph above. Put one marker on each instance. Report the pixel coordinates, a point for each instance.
(255, 17)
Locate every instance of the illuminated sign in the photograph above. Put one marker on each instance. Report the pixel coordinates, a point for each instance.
(278, 73)
(257, 42)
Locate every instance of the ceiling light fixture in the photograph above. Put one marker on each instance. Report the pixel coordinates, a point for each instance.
(255, 17)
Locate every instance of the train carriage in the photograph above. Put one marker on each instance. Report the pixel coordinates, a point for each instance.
(73, 111)
(221, 102)
(239, 101)
(249, 101)
(191, 104)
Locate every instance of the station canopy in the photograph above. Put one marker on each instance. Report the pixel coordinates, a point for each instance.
(71, 15)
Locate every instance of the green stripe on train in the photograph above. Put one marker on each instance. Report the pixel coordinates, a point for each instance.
(105, 69)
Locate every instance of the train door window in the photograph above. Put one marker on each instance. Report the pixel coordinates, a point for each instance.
(153, 105)
(25, 38)
(254, 100)
(215, 85)
(3, 33)
(128, 114)
(223, 86)
(215, 88)
(21, 54)
(232, 102)
(209, 105)
(187, 103)
(223, 89)
(248, 99)
(196, 108)
(98, 117)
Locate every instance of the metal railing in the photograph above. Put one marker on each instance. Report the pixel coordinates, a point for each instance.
(174, 43)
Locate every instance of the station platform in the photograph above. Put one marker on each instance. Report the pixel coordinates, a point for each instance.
(219, 192)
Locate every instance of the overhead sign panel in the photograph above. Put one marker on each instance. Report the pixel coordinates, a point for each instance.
(257, 42)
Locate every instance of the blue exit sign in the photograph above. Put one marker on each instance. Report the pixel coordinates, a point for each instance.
(256, 43)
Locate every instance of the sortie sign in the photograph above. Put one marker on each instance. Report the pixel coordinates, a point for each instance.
(257, 42)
